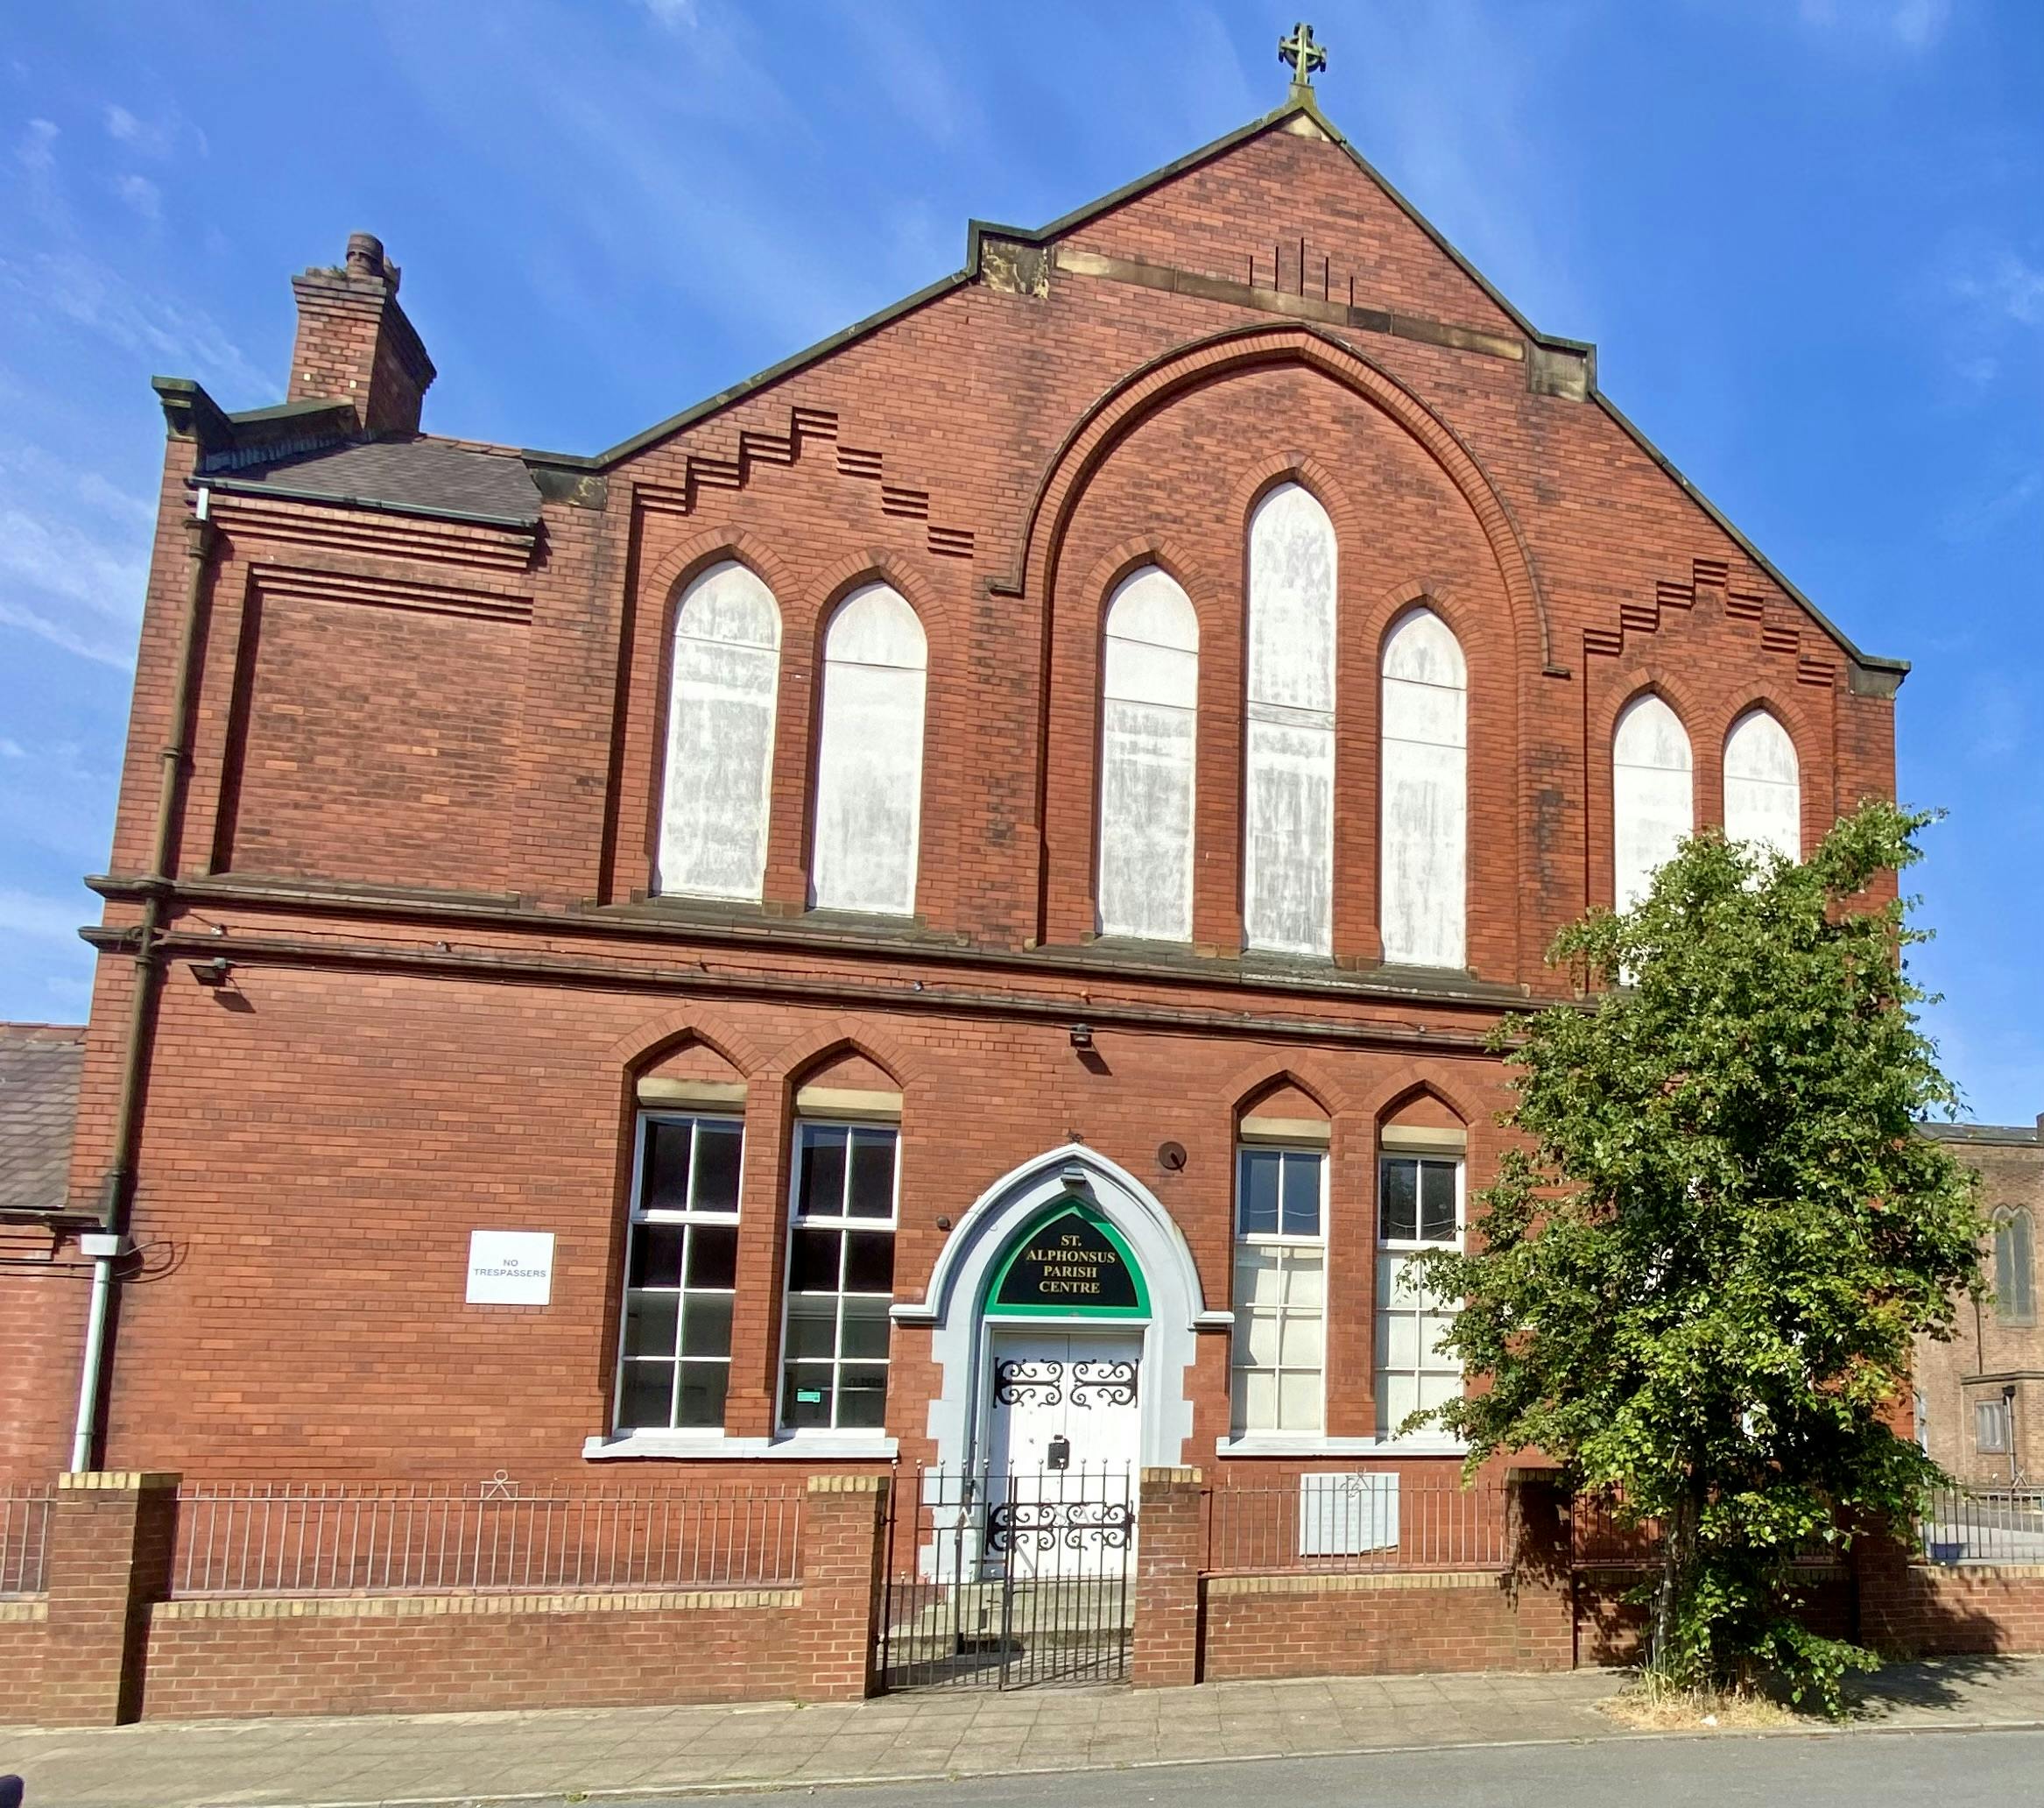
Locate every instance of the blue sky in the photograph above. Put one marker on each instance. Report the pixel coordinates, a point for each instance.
(1806, 235)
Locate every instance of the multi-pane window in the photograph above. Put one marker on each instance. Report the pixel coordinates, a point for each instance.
(681, 1272)
(840, 1278)
(1991, 1419)
(1419, 1209)
(2015, 1297)
(1280, 1290)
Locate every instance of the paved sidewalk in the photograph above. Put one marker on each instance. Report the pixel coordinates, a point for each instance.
(623, 1752)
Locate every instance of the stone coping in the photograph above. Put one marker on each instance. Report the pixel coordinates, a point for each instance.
(428, 1606)
(1354, 1581)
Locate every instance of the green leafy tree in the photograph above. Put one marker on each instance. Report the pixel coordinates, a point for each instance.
(1696, 1284)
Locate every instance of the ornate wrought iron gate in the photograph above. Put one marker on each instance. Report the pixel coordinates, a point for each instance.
(1010, 1581)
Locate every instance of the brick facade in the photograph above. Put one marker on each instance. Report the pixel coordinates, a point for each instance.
(1997, 1353)
(421, 806)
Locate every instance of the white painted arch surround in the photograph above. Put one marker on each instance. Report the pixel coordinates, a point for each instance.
(954, 1304)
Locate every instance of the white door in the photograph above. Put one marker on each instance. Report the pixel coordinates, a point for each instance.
(1064, 1446)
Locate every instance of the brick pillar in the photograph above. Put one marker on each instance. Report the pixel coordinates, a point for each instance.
(844, 1544)
(1882, 1588)
(1170, 1534)
(1542, 1580)
(111, 1537)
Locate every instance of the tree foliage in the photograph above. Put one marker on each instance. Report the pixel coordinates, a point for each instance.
(1696, 1283)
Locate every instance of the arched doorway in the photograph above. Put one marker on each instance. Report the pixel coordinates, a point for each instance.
(1062, 1311)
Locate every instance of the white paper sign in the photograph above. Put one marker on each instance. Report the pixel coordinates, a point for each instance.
(511, 1267)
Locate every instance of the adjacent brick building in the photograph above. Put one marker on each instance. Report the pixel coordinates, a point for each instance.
(1980, 1397)
(976, 864)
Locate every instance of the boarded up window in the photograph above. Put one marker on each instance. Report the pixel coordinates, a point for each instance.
(720, 738)
(1651, 808)
(1150, 684)
(869, 756)
(1288, 839)
(1763, 790)
(1426, 793)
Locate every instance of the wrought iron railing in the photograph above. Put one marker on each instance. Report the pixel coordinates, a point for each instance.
(312, 1538)
(1983, 1525)
(1358, 1522)
(25, 1537)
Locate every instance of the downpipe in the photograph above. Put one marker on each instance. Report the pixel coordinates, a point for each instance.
(109, 1244)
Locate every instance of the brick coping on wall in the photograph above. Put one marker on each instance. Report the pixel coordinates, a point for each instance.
(386, 1607)
(1354, 1582)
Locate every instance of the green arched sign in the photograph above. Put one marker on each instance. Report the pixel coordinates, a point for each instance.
(1070, 1263)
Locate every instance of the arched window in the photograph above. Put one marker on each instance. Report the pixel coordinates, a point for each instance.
(2015, 1295)
(1650, 805)
(869, 756)
(720, 738)
(1150, 689)
(1289, 832)
(1763, 790)
(1426, 793)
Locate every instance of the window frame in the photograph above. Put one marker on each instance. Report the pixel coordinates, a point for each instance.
(1403, 1248)
(2015, 1231)
(687, 1217)
(1992, 1410)
(1281, 1242)
(798, 1219)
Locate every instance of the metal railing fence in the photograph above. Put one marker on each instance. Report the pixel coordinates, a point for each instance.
(1357, 1523)
(1983, 1525)
(312, 1538)
(25, 1537)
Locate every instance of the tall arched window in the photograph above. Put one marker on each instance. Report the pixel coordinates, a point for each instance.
(1150, 691)
(1763, 790)
(1426, 793)
(1652, 809)
(2015, 1293)
(869, 756)
(720, 738)
(1288, 833)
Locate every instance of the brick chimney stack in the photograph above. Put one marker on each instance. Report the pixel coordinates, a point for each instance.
(355, 343)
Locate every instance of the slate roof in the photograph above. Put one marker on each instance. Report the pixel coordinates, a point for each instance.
(422, 476)
(38, 1104)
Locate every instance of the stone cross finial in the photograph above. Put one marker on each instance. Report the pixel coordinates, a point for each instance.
(1304, 55)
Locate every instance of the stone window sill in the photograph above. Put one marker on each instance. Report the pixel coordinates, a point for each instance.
(834, 1447)
(1290, 1444)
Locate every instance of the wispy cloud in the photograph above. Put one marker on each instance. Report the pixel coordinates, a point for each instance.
(74, 285)
(1976, 520)
(43, 919)
(73, 556)
(1912, 26)
(2008, 286)
(161, 136)
(142, 195)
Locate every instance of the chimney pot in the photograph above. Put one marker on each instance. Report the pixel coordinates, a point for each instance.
(365, 254)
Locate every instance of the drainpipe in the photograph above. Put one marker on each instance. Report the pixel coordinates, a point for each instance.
(109, 1242)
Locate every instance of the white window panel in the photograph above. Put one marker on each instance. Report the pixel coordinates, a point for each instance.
(869, 756)
(725, 673)
(1763, 787)
(1288, 830)
(1149, 734)
(1652, 805)
(1425, 781)
(1419, 1207)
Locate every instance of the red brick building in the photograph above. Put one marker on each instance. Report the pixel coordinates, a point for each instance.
(974, 867)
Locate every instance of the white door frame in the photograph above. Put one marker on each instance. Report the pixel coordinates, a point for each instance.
(954, 1307)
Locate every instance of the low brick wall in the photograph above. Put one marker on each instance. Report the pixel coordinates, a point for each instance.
(1609, 1630)
(22, 1630)
(424, 1654)
(1398, 1623)
(1927, 1610)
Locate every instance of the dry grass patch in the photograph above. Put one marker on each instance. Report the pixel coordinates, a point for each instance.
(1647, 1707)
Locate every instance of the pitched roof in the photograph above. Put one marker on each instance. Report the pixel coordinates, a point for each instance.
(420, 474)
(39, 1064)
(1891, 671)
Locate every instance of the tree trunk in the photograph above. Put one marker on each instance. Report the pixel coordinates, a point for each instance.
(1678, 1547)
